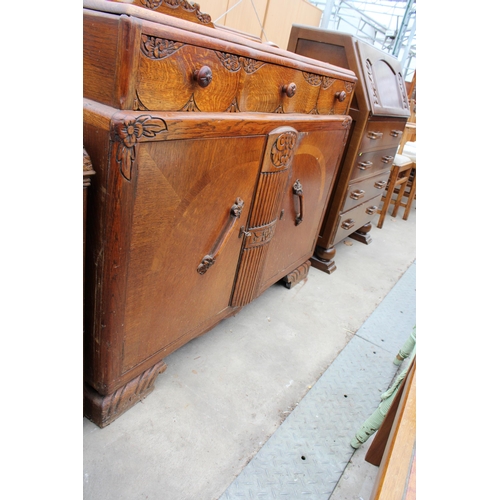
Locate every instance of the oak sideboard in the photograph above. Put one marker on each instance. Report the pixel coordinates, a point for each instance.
(215, 156)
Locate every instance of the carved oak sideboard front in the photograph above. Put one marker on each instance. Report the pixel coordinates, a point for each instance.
(215, 157)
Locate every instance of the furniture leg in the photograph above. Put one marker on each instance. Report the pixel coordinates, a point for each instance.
(362, 234)
(388, 195)
(300, 274)
(323, 259)
(374, 421)
(411, 196)
(402, 187)
(102, 410)
(407, 348)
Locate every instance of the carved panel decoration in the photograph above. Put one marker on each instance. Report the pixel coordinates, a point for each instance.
(282, 150)
(234, 63)
(369, 72)
(128, 132)
(402, 90)
(158, 48)
(190, 105)
(189, 7)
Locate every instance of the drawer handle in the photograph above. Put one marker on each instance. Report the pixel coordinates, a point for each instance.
(203, 76)
(341, 95)
(364, 165)
(371, 210)
(209, 260)
(298, 202)
(396, 133)
(380, 184)
(387, 159)
(375, 135)
(289, 90)
(348, 224)
(357, 195)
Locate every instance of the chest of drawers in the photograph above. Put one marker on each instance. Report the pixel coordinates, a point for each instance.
(379, 110)
(215, 157)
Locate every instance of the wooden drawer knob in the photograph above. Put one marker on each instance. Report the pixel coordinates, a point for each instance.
(341, 95)
(203, 76)
(289, 90)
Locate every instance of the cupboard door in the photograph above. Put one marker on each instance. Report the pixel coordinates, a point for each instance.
(191, 198)
(312, 172)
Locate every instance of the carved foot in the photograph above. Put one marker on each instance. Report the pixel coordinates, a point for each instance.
(323, 259)
(102, 410)
(362, 234)
(292, 279)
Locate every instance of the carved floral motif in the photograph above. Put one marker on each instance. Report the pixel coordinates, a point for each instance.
(174, 4)
(234, 63)
(312, 79)
(128, 132)
(158, 48)
(190, 105)
(282, 150)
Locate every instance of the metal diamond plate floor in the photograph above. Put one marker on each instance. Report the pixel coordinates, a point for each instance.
(307, 455)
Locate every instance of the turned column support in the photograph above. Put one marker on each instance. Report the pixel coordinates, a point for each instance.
(323, 259)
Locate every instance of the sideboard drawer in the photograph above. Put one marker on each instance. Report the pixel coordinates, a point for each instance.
(353, 219)
(359, 192)
(381, 135)
(368, 164)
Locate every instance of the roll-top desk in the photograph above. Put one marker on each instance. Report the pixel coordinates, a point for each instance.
(215, 156)
(379, 111)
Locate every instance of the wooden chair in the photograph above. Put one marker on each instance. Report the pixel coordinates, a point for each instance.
(403, 179)
(402, 168)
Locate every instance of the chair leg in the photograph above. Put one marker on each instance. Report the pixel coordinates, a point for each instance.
(388, 195)
(411, 196)
(402, 186)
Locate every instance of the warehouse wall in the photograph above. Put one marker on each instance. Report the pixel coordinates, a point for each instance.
(276, 16)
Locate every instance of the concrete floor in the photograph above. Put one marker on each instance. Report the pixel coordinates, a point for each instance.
(225, 393)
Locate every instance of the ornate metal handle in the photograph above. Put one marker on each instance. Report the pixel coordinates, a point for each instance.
(209, 260)
(203, 76)
(371, 210)
(375, 135)
(387, 159)
(364, 165)
(289, 90)
(396, 133)
(357, 195)
(348, 224)
(341, 95)
(380, 184)
(298, 202)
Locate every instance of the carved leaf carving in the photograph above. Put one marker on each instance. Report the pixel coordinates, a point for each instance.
(128, 132)
(234, 63)
(158, 48)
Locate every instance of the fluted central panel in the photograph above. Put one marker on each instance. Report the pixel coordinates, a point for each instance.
(273, 181)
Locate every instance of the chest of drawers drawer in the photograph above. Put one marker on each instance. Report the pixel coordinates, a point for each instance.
(361, 191)
(381, 135)
(368, 164)
(349, 221)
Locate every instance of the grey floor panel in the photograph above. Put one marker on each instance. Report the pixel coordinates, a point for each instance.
(308, 453)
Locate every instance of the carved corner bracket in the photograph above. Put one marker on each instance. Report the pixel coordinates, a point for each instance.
(128, 132)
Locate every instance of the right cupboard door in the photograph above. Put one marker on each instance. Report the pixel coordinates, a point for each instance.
(312, 159)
